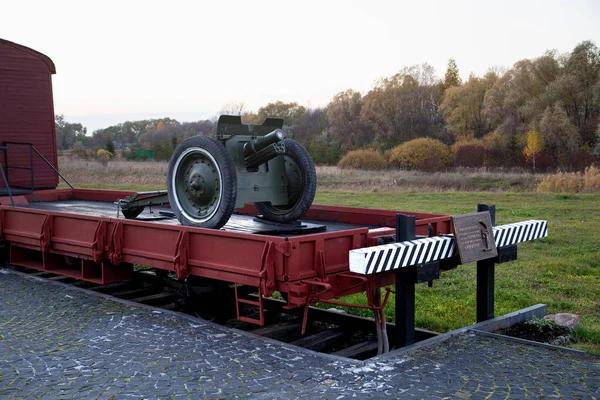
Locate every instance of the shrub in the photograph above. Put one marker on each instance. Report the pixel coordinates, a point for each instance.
(362, 159)
(424, 153)
(467, 154)
(104, 156)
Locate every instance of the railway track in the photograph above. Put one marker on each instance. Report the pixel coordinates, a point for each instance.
(329, 331)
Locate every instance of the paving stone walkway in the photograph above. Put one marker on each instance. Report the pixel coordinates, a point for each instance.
(57, 342)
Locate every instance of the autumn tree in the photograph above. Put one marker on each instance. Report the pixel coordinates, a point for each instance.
(578, 89)
(403, 107)
(452, 77)
(290, 112)
(463, 107)
(309, 125)
(596, 149)
(343, 114)
(517, 98)
(534, 146)
(559, 133)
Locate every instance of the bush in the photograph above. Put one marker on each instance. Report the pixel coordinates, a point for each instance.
(469, 154)
(424, 153)
(104, 156)
(362, 159)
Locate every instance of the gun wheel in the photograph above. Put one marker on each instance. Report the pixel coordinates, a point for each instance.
(302, 185)
(201, 183)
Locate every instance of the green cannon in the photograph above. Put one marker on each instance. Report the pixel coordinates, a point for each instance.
(209, 177)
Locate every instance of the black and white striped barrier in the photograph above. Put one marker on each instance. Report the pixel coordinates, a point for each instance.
(371, 260)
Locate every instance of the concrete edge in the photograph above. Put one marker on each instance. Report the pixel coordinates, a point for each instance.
(189, 318)
(538, 310)
(528, 342)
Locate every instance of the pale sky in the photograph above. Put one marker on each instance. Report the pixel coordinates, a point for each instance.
(119, 60)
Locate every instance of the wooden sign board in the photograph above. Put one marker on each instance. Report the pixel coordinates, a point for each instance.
(474, 237)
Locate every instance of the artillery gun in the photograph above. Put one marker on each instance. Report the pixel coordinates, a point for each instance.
(209, 177)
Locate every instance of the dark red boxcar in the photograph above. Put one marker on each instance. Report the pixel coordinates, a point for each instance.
(26, 115)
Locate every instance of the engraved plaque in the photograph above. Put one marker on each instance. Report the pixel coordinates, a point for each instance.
(474, 237)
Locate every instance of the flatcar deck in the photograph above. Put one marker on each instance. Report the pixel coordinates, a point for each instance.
(162, 215)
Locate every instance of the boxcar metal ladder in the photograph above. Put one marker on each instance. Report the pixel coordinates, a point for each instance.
(257, 303)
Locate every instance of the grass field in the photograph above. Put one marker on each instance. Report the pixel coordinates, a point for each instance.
(562, 271)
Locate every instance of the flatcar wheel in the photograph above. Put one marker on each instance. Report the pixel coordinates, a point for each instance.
(302, 185)
(201, 183)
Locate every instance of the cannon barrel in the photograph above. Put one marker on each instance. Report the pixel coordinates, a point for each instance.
(256, 145)
(263, 149)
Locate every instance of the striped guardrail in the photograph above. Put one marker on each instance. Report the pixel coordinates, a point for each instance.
(371, 260)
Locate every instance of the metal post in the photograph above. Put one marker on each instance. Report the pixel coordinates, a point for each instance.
(31, 166)
(405, 286)
(12, 201)
(51, 166)
(5, 145)
(485, 277)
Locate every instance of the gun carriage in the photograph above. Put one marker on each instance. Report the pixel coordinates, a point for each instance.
(210, 177)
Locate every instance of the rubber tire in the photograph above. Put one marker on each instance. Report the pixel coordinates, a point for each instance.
(295, 211)
(228, 181)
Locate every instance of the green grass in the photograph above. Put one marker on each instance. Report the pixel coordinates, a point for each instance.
(562, 271)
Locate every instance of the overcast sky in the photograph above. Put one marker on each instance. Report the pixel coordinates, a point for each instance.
(119, 60)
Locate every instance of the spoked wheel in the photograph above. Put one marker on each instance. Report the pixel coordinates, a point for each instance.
(202, 183)
(302, 185)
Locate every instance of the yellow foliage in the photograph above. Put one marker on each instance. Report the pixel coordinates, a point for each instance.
(362, 159)
(535, 144)
(423, 153)
(104, 155)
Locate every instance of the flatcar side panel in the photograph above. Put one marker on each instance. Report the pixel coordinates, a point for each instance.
(23, 226)
(76, 235)
(224, 251)
(322, 254)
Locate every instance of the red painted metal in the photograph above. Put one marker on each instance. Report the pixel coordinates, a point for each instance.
(27, 115)
(309, 268)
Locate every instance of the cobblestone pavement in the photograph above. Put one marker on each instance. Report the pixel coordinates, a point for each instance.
(58, 342)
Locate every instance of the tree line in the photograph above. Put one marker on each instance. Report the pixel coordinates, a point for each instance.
(546, 109)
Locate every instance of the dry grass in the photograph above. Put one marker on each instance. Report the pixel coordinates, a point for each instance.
(418, 181)
(571, 182)
(116, 172)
